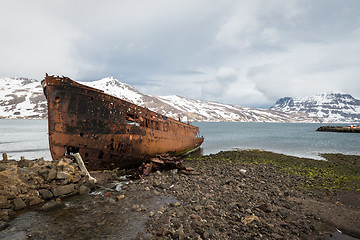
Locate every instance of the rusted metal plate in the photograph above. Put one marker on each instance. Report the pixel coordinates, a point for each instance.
(107, 131)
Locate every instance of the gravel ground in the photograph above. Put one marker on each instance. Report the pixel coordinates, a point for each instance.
(232, 199)
(229, 195)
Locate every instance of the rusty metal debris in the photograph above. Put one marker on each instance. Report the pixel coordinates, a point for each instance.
(109, 132)
(165, 162)
(161, 162)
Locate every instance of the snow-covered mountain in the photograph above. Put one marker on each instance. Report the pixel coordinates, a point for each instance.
(187, 109)
(326, 107)
(24, 98)
(21, 98)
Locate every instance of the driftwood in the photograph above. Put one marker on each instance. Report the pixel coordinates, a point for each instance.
(82, 167)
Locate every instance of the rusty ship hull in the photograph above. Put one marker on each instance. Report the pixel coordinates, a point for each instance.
(109, 132)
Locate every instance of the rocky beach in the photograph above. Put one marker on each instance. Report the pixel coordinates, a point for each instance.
(230, 195)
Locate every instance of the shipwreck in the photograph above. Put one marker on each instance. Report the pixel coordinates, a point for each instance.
(109, 132)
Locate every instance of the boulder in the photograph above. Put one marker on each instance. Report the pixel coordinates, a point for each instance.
(19, 204)
(13, 190)
(62, 175)
(23, 163)
(7, 194)
(4, 214)
(4, 203)
(76, 178)
(89, 183)
(35, 200)
(84, 190)
(50, 205)
(43, 173)
(45, 193)
(51, 175)
(63, 190)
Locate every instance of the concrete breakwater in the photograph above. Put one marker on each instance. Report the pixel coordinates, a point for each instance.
(27, 183)
(339, 129)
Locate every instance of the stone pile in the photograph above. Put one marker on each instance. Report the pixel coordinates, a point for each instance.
(27, 183)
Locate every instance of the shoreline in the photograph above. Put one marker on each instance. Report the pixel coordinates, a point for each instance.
(233, 194)
(200, 153)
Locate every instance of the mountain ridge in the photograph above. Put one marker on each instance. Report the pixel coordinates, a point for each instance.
(24, 98)
(327, 107)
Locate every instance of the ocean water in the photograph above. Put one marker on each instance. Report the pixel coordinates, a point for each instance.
(29, 138)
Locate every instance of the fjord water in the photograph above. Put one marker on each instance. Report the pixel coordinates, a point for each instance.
(29, 138)
(296, 139)
(22, 137)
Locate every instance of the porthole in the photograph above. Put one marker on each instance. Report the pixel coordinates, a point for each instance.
(57, 99)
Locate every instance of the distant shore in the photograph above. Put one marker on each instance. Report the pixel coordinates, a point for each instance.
(348, 129)
(230, 195)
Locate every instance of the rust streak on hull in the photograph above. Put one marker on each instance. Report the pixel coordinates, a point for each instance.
(107, 131)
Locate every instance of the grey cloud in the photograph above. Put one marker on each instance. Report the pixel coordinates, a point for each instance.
(270, 48)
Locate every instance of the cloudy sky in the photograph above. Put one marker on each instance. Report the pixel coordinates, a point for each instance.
(248, 53)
